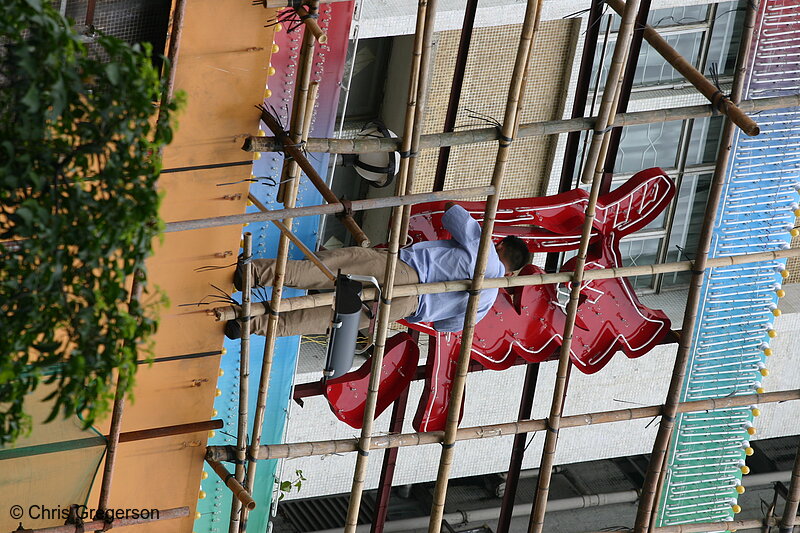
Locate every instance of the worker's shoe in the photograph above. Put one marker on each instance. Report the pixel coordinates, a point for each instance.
(233, 329)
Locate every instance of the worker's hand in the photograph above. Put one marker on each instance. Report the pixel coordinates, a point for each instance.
(448, 205)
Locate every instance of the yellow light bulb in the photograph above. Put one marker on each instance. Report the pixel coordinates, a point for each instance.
(736, 509)
(740, 489)
(794, 232)
(749, 451)
(256, 155)
(223, 351)
(279, 27)
(275, 48)
(204, 475)
(267, 93)
(245, 224)
(776, 312)
(271, 71)
(760, 390)
(214, 412)
(771, 333)
(217, 392)
(249, 202)
(745, 469)
(197, 515)
(221, 372)
(764, 372)
(755, 411)
(261, 133)
(768, 351)
(781, 293)
(212, 434)
(201, 495)
(784, 273)
(751, 431)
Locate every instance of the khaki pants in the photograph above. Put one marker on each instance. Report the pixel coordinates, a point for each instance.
(306, 275)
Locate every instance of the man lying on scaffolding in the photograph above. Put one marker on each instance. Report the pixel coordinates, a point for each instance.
(424, 262)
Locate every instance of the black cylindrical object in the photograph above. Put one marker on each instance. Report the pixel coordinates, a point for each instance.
(343, 332)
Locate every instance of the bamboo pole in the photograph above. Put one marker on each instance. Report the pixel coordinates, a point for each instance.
(310, 20)
(292, 150)
(592, 172)
(294, 450)
(516, 91)
(297, 121)
(100, 525)
(239, 492)
(290, 200)
(311, 256)
(420, 72)
(327, 209)
(653, 478)
(244, 377)
(317, 300)
(718, 100)
(789, 518)
(291, 3)
(532, 129)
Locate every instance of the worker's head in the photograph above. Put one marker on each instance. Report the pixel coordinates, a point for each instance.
(513, 253)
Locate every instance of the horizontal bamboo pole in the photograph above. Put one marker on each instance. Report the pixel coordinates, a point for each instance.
(291, 3)
(694, 76)
(239, 492)
(328, 209)
(326, 447)
(97, 525)
(533, 129)
(317, 300)
(708, 527)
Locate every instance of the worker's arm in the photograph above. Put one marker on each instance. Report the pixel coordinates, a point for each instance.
(465, 230)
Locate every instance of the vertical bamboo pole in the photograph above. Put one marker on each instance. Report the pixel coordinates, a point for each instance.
(426, 16)
(305, 62)
(290, 199)
(793, 498)
(244, 377)
(653, 478)
(592, 172)
(510, 125)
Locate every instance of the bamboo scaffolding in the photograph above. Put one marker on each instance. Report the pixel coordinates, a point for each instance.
(653, 479)
(297, 121)
(292, 150)
(708, 527)
(99, 525)
(326, 447)
(328, 209)
(310, 20)
(592, 172)
(516, 91)
(295, 240)
(290, 199)
(533, 129)
(420, 71)
(244, 377)
(293, 3)
(725, 105)
(317, 300)
(789, 518)
(239, 492)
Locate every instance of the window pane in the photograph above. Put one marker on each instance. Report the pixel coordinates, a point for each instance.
(640, 252)
(686, 226)
(725, 37)
(705, 141)
(648, 145)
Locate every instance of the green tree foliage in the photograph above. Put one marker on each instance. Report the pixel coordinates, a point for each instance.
(79, 159)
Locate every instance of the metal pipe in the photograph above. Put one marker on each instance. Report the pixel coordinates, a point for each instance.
(100, 525)
(244, 376)
(789, 518)
(455, 90)
(518, 450)
(316, 300)
(328, 209)
(653, 479)
(420, 69)
(239, 492)
(532, 129)
(516, 92)
(592, 173)
(326, 447)
(727, 106)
